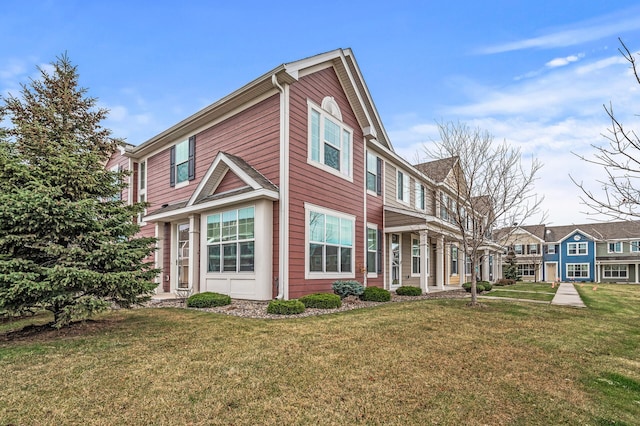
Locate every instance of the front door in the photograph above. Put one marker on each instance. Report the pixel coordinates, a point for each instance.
(394, 256)
(182, 257)
(552, 272)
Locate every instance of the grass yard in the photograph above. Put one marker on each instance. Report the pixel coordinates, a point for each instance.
(525, 291)
(425, 362)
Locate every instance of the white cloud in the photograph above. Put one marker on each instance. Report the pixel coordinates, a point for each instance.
(550, 117)
(561, 62)
(605, 26)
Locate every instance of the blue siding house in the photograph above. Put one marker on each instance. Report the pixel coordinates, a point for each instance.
(577, 255)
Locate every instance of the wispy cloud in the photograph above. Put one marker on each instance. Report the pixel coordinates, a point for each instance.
(579, 33)
(561, 62)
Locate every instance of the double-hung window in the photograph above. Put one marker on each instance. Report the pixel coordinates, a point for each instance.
(615, 247)
(454, 260)
(182, 162)
(402, 187)
(415, 256)
(419, 196)
(533, 249)
(374, 173)
(142, 187)
(576, 249)
(518, 249)
(231, 241)
(444, 207)
(374, 250)
(551, 249)
(330, 145)
(330, 243)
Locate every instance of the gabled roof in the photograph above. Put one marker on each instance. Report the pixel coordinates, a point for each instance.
(438, 170)
(204, 196)
(347, 71)
(598, 231)
(536, 231)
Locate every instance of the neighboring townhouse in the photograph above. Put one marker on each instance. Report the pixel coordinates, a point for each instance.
(527, 244)
(598, 252)
(287, 185)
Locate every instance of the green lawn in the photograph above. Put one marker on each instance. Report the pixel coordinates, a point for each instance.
(425, 362)
(525, 291)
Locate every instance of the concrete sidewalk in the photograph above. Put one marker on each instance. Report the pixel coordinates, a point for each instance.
(567, 295)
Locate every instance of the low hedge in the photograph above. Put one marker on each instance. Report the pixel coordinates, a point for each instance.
(208, 300)
(376, 294)
(321, 301)
(504, 281)
(408, 290)
(285, 307)
(480, 286)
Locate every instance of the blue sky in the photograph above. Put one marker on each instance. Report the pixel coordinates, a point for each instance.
(534, 73)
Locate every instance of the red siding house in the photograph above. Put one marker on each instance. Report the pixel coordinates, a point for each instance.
(277, 190)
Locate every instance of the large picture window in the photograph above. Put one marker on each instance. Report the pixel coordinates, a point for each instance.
(329, 140)
(526, 270)
(615, 271)
(578, 270)
(231, 241)
(330, 243)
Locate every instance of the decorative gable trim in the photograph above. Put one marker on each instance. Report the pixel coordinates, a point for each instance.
(222, 164)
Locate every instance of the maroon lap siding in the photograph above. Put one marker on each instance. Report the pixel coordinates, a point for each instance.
(314, 185)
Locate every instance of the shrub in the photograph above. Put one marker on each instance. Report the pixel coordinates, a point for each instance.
(408, 290)
(321, 301)
(376, 294)
(347, 288)
(504, 281)
(479, 286)
(285, 307)
(208, 300)
(487, 285)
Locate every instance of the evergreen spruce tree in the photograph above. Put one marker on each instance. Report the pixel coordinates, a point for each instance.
(510, 270)
(67, 243)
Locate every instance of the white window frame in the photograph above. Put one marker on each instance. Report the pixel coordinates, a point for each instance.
(406, 182)
(374, 158)
(414, 256)
(577, 249)
(518, 249)
(535, 249)
(142, 189)
(182, 183)
(608, 271)
(551, 249)
(374, 273)
(455, 260)
(346, 170)
(237, 240)
(588, 271)
(444, 207)
(614, 247)
(308, 208)
(634, 246)
(529, 268)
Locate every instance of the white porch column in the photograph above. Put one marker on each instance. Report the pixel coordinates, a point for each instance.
(194, 252)
(485, 266)
(424, 261)
(440, 263)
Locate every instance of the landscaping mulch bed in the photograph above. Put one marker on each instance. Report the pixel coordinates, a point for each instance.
(258, 309)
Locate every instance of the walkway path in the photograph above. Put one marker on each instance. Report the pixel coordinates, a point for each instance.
(567, 295)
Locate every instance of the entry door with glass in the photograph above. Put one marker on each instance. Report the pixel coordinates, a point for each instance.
(394, 256)
(182, 257)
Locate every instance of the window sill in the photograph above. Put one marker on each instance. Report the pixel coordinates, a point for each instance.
(329, 276)
(181, 184)
(328, 169)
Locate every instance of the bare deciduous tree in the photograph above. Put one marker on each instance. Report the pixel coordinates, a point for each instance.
(492, 187)
(621, 161)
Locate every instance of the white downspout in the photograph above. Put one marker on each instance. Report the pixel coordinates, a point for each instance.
(283, 258)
